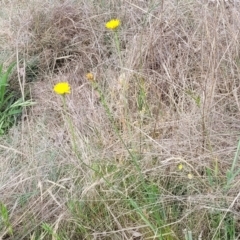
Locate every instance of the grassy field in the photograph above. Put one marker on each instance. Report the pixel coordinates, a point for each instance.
(145, 145)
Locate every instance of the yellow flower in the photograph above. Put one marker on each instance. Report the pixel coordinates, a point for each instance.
(113, 24)
(90, 76)
(190, 176)
(180, 166)
(62, 88)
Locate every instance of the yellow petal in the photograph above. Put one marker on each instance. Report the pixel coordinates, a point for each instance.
(62, 88)
(113, 24)
(180, 166)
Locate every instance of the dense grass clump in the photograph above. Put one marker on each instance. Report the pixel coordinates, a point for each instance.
(135, 130)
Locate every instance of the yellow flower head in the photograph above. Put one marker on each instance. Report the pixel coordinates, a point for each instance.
(62, 88)
(90, 76)
(180, 166)
(113, 24)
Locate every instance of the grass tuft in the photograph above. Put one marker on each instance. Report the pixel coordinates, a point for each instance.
(144, 141)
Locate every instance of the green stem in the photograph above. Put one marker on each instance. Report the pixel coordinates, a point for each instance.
(236, 157)
(103, 101)
(117, 43)
(70, 124)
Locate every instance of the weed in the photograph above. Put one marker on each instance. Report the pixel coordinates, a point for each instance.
(5, 224)
(10, 106)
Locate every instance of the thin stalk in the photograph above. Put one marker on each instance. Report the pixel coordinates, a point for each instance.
(235, 157)
(103, 101)
(117, 43)
(70, 124)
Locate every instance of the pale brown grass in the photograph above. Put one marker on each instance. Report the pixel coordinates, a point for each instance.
(176, 54)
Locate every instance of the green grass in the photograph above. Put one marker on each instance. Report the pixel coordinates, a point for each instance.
(10, 105)
(5, 224)
(147, 149)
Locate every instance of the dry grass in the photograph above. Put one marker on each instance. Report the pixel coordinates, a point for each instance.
(173, 99)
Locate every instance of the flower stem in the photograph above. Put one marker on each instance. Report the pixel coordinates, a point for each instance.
(70, 124)
(117, 43)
